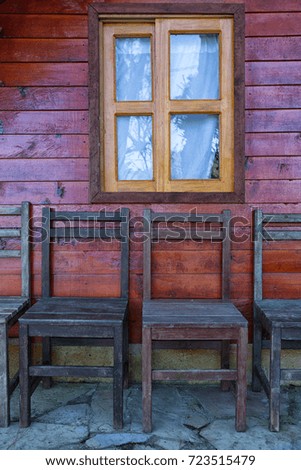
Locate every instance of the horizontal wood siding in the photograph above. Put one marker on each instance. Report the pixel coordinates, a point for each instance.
(44, 156)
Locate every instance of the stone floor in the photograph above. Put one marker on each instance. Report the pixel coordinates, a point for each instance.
(79, 416)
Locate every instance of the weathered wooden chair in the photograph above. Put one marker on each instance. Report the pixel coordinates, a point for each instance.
(188, 320)
(11, 307)
(78, 320)
(280, 319)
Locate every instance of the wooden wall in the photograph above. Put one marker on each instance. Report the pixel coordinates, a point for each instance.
(44, 152)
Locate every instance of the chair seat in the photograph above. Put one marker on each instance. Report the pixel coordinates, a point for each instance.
(11, 306)
(108, 311)
(281, 312)
(196, 313)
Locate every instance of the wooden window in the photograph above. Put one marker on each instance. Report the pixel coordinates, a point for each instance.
(166, 103)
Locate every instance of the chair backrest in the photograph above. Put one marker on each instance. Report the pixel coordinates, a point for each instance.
(115, 225)
(214, 227)
(20, 231)
(271, 227)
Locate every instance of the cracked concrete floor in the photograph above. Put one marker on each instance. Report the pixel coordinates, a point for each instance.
(79, 416)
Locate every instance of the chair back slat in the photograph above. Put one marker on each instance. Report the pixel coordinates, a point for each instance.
(281, 234)
(281, 218)
(216, 227)
(71, 229)
(21, 233)
(25, 250)
(10, 253)
(185, 217)
(100, 216)
(258, 217)
(7, 233)
(10, 210)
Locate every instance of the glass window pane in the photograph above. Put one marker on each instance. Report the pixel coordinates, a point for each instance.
(194, 66)
(194, 146)
(133, 69)
(135, 150)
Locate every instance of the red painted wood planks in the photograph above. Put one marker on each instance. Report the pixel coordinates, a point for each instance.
(43, 98)
(44, 26)
(272, 5)
(273, 121)
(273, 168)
(44, 169)
(44, 122)
(25, 74)
(273, 48)
(273, 24)
(36, 6)
(44, 192)
(273, 144)
(273, 73)
(269, 97)
(44, 50)
(44, 146)
(273, 191)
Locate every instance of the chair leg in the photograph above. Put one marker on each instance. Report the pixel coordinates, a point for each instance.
(4, 377)
(256, 362)
(118, 378)
(126, 355)
(25, 411)
(225, 363)
(147, 379)
(241, 384)
(275, 355)
(46, 359)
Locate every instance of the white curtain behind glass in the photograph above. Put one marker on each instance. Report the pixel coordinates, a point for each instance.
(194, 75)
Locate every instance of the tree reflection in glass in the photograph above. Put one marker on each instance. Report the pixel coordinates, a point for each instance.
(133, 69)
(135, 150)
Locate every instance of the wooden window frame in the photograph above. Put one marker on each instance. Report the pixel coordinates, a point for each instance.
(97, 11)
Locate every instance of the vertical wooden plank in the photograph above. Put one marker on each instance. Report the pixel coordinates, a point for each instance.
(24, 376)
(126, 351)
(108, 109)
(241, 383)
(258, 216)
(147, 379)
(257, 348)
(25, 250)
(124, 269)
(46, 360)
(257, 327)
(118, 378)
(95, 125)
(239, 100)
(225, 363)
(162, 106)
(46, 252)
(226, 118)
(275, 373)
(147, 229)
(226, 246)
(4, 377)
